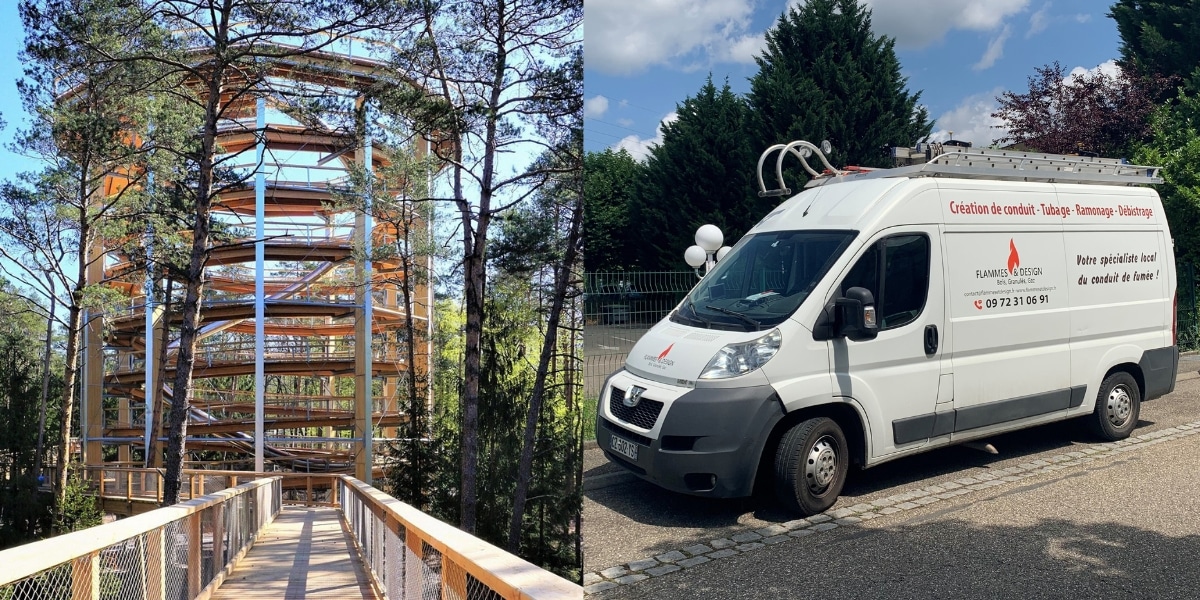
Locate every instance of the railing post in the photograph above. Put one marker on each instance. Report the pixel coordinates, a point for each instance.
(156, 576)
(195, 553)
(128, 486)
(218, 533)
(85, 577)
(308, 498)
(454, 579)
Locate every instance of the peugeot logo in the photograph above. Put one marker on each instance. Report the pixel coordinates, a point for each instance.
(633, 395)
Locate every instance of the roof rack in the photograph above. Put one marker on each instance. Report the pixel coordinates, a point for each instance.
(965, 163)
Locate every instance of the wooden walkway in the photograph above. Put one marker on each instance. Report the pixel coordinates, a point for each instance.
(305, 553)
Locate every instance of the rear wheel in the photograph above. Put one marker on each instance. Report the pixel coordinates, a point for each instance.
(1117, 407)
(810, 466)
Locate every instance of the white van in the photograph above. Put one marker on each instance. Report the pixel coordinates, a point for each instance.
(876, 315)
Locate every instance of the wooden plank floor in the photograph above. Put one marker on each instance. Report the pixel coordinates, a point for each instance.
(305, 553)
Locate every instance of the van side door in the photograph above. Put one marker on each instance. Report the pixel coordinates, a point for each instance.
(1011, 327)
(895, 377)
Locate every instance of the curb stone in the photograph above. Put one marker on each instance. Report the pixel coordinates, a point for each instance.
(752, 539)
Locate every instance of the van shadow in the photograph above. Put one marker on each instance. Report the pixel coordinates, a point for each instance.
(694, 520)
(954, 558)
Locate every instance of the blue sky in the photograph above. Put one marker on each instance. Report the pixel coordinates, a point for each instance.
(11, 37)
(643, 57)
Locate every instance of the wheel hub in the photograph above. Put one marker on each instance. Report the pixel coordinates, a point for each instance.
(1120, 406)
(821, 465)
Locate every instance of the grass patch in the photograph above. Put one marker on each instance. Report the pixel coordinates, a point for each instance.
(589, 419)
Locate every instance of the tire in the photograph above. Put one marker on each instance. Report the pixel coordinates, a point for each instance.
(1117, 407)
(810, 466)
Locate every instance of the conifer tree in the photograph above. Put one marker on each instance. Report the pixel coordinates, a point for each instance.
(703, 172)
(825, 76)
(1158, 38)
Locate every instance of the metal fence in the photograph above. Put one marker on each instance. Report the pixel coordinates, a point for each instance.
(1187, 323)
(617, 309)
(179, 552)
(413, 555)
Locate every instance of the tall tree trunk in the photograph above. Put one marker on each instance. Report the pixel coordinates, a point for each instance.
(417, 411)
(155, 397)
(70, 371)
(40, 451)
(474, 281)
(185, 358)
(562, 277)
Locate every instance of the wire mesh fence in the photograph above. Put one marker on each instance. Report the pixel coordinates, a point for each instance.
(1187, 323)
(618, 308)
(175, 553)
(411, 555)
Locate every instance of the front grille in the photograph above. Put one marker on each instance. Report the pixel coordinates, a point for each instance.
(644, 415)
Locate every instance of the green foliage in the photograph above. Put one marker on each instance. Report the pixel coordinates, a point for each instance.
(80, 505)
(25, 512)
(703, 172)
(610, 180)
(1158, 37)
(825, 76)
(1175, 146)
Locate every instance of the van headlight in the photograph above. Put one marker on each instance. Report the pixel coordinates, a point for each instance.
(739, 359)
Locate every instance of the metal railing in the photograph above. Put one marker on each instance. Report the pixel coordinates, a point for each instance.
(413, 555)
(182, 551)
(618, 308)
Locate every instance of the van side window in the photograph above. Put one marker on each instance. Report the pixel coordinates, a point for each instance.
(901, 287)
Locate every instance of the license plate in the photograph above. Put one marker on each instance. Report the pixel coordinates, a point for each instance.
(625, 448)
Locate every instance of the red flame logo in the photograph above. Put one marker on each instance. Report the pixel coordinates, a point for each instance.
(664, 352)
(1014, 259)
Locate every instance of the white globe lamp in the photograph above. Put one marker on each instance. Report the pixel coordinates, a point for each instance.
(695, 256)
(722, 252)
(709, 237)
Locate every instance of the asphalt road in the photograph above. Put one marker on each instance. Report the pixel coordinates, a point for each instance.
(1127, 527)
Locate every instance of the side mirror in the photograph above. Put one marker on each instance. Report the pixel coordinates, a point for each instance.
(855, 315)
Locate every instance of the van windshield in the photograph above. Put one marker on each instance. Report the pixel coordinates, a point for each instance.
(763, 279)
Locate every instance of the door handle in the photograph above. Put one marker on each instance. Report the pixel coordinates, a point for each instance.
(931, 340)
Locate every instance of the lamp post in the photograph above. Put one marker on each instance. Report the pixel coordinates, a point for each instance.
(708, 249)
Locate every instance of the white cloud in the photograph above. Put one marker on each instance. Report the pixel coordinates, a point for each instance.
(627, 36)
(744, 49)
(1038, 21)
(640, 148)
(918, 23)
(623, 122)
(1108, 67)
(995, 50)
(972, 120)
(595, 107)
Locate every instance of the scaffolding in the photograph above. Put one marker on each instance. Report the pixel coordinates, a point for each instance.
(300, 353)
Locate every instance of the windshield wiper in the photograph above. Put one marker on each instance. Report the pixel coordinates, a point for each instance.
(734, 313)
(698, 318)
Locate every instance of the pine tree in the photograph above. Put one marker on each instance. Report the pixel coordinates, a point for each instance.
(825, 76)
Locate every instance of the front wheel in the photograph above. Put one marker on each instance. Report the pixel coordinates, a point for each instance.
(1117, 407)
(810, 466)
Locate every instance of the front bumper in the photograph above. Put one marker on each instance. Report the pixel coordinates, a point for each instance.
(705, 441)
